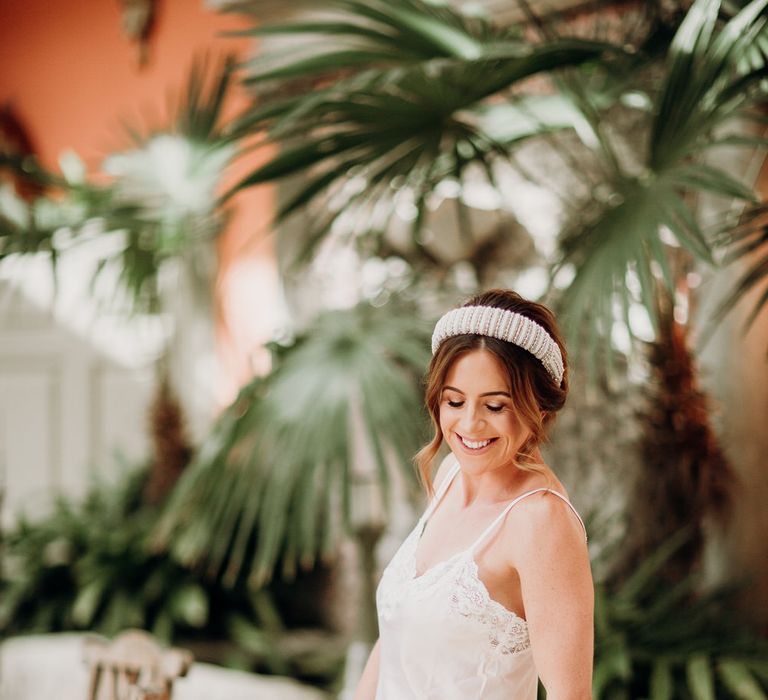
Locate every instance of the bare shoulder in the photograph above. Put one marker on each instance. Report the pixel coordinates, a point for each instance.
(543, 522)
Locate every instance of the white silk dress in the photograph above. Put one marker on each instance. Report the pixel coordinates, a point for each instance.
(441, 635)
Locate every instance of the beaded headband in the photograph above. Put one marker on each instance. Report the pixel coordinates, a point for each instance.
(504, 325)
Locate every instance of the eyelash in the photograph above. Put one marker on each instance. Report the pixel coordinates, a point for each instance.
(492, 409)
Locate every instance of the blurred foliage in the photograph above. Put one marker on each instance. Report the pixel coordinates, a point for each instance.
(747, 243)
(307, 452)
(382, 101)
(159, 204)
(397, 104)
(708, 82)
(90, 566)
(376, 106)
(662, 640)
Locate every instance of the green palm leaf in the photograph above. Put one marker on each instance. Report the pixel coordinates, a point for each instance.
(380, 33)
(662, 682)
(703, 88)
(657, 640)
(399, 98)
(737, 677)
(623, 240)
(278, 478)
(421, 108)
(199, 110)
(703, 85)
(700, 677)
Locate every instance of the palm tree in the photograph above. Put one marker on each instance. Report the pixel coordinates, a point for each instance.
(401, 96)
(397, 97)
(159, 209)
(309, 454)
(388, 100)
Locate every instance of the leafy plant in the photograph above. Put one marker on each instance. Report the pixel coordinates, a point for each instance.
(661, 641)
(87, 567)
(284, 468)
(706, 84)
(747, 242)
(398, 103)
(407, 94)
(91, 566)
(160, 204)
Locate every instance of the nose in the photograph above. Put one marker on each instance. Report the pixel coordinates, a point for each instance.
(470, 421)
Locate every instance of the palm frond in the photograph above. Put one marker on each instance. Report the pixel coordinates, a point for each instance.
(629, 236)
(424, 104)
(395, 92)
(372, 34)
(704, 84)
(161, 201)
(199, 110)
(660, 641)
(747, 241)
(623, 240)
(278, 478)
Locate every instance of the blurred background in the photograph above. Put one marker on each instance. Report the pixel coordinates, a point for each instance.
(226, 231)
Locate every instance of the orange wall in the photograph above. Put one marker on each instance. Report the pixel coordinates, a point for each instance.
(72, 77)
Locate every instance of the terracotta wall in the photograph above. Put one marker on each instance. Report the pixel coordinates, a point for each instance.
(72, 77)
(744, 409)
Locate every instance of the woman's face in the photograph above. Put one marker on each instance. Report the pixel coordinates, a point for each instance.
(477, 414)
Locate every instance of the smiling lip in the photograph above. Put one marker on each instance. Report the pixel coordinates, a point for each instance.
(475, 446)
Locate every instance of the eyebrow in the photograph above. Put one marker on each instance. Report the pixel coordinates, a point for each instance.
(487, 393)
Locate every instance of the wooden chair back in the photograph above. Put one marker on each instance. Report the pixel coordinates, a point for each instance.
(133, 666)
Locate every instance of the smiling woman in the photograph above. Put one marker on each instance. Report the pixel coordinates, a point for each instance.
(480, 420)
(527, 355)
(492, 589)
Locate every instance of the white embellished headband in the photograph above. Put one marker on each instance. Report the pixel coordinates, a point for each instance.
(504, 325)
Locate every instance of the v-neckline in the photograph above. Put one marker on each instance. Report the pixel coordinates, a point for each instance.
(421, 526)
(416, 578)
(416, 575)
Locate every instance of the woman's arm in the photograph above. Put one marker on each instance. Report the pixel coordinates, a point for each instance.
(553, 564)
(366, 687)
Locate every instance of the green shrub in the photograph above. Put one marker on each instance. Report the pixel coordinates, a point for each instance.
(91, 566)
(662, 641)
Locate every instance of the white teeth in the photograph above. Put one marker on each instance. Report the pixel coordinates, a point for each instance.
(475, 445)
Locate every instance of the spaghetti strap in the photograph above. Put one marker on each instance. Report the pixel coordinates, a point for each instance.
(513, 503)
(575, 512)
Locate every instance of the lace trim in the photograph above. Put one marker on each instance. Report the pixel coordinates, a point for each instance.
(469, 598)
(507, 631)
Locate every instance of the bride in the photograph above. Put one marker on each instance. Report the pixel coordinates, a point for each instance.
(492, 589)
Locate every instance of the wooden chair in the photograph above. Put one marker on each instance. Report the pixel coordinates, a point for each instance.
(133, 666)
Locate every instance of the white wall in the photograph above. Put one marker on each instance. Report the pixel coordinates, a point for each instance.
(67, 405)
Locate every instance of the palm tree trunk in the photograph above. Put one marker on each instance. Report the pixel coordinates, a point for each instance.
(171, 449)
(686, 480)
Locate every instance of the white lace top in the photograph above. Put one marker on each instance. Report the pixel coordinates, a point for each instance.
(441, 635)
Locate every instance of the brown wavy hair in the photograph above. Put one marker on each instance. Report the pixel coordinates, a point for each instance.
(532, 387)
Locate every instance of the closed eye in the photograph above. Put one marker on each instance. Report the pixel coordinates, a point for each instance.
(455, 404)
(495, 409)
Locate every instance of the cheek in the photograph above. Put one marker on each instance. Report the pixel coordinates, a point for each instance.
(446, 419)
(510, 426)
